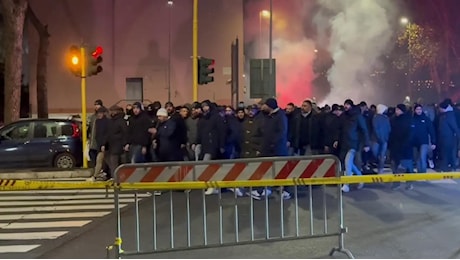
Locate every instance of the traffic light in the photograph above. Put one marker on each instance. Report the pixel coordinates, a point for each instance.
(205, 70)
(94, 59)
(74, 60)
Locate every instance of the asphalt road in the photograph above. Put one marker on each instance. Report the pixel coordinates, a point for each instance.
(422, 223)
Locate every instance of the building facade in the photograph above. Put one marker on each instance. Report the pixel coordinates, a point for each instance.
(141, 39)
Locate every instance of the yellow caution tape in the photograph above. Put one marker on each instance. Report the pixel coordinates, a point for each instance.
(382, 178)
(196, 185)
(8, 185)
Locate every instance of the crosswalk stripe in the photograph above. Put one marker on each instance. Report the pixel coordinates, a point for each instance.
(46, 215)
(50, 224)
(58, 208)
(69, 197)
(34, 216)
(57, 191)
(32, 235)
(17, 248)
(61, 202)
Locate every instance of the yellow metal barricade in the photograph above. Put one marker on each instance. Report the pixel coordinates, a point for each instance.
(188, 220)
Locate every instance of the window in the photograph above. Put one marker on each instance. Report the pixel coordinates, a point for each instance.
(18, 131)
(46, 129)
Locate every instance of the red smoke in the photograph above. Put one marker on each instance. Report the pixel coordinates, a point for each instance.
(294, 53)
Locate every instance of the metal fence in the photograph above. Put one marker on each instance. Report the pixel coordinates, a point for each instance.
(180, 220)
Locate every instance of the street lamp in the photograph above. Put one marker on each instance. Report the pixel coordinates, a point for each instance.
(170, 6)
(406, 23)
(265, 14)
(404, 20)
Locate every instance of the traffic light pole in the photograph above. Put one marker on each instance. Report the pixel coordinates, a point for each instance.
(195, 50)
(83, 105)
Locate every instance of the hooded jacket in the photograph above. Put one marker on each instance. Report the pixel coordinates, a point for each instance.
(381, 126)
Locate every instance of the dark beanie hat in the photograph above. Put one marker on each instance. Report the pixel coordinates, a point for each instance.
(102, 110)
(402, 107)
(417, 106)
(271, 103)
(336, 107)
(349, 102)
(196, 105)
(98, 102)
(444, 104)
(207, 102)
(138, 105)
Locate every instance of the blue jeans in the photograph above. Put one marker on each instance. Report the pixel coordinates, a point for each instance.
(422, 156)
(403, 166)
(350, 166)
(136, 154)
(380, 151)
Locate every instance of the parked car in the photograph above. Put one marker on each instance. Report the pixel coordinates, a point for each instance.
(33, 143)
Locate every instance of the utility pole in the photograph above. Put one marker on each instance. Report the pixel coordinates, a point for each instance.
(83, 104)
(195, 50)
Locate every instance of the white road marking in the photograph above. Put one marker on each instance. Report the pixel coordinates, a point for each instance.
(61, 202)
(51, 224)
(55, 215)
(17, 248)
(66, 197)
(32, 235)
(59, 208)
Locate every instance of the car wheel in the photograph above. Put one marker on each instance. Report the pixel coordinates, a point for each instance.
(64, 161)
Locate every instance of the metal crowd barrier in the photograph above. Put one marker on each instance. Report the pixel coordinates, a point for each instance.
(176, 221)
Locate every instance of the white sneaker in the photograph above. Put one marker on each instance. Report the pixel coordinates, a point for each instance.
(266, 193)
(346, 188)
(285, 195)
(254, 194)
(91, 179)
(211, 191)
(360, 186)
(237, 191)
(431, 164)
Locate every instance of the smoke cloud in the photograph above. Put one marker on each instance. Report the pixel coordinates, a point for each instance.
(359, 32)
(293, 50)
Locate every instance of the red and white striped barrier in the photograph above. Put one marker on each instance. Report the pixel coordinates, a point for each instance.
(231, 170)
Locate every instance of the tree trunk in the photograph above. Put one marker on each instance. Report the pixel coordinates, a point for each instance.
(42, 63)
(436, 79)
(14, 12)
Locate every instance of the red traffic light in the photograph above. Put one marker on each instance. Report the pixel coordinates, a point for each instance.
(97, 52)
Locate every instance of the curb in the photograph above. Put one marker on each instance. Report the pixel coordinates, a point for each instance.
(86, 173)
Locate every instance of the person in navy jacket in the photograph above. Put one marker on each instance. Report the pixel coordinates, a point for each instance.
(424, 137)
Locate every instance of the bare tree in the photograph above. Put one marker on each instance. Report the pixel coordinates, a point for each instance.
(14, 12)
(43, 46)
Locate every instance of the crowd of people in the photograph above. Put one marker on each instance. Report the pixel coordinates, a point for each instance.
(365, 138)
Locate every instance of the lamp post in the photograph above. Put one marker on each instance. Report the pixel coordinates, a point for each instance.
(170, 6)
(404, 21)
(262, 14)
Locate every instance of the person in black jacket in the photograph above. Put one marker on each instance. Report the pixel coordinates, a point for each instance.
(352, 128)
(233, 134)
(167, 141)
(116, 139)
(424, 137)
(331, 128)
(307, 130)
(211, 135)
(291, 113)
(138, 134)
(101, 127)
(448, 136)
(274, 130)
(211, 132)
(181, 127)
(401, 140)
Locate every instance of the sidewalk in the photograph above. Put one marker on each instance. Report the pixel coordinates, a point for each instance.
(30, 174)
